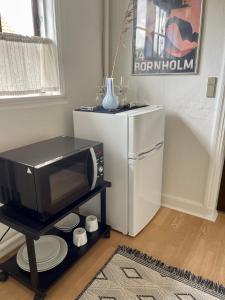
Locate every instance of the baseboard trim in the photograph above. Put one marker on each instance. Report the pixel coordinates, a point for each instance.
(11, 244)
(189, 207)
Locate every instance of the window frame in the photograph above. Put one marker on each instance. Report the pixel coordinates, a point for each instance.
(36, 18)
(51, 29)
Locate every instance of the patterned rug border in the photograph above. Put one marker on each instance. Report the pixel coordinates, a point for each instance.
(184, 276)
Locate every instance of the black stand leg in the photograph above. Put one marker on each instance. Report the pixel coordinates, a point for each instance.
(103, 214)
(32, 262)
(33, 268)
(39, 297)
(103, 207)
(107, 233)
(3, 275)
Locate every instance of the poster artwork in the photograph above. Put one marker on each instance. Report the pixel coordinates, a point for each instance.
(166, 36)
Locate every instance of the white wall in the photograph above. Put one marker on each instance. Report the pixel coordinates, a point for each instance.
(81, 38)
(190, 115)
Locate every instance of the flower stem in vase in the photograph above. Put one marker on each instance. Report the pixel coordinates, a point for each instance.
(128, 18)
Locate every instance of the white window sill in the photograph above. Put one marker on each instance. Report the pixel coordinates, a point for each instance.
(32, 99)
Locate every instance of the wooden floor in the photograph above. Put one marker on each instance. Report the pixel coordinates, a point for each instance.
(177, 239)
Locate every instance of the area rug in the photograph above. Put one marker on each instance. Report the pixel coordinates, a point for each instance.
(132, 275)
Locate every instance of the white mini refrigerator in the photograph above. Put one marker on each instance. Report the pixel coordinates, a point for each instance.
(133, 162)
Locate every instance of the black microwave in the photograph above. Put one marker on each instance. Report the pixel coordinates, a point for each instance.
(46, 177)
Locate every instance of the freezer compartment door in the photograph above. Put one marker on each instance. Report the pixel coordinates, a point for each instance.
(145, 131)
(145, 184)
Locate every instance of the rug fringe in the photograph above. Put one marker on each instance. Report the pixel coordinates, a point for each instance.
(182, 274)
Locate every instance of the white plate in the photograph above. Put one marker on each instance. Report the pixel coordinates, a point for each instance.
(69, 222)
(46, 249)
(42, 267)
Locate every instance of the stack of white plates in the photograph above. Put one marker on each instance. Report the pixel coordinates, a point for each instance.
(68, 223)
(50, 252)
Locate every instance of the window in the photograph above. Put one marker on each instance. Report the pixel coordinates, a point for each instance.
(159, 38)
(28, 60)
(150, 30)
(18, 17)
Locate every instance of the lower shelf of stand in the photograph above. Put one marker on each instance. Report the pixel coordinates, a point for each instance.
(46, 279)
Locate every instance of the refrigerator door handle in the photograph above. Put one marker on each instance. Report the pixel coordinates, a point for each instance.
(159, 146)
(145, 153)
(141, 157)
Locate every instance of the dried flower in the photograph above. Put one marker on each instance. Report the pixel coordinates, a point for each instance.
(128, 19)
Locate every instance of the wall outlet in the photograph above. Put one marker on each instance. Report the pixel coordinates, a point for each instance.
(211, 87)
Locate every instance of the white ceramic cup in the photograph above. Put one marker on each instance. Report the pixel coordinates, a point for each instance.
(79, 237)
(91, 223)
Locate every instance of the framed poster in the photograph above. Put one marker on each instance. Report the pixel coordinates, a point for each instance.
(166, 37)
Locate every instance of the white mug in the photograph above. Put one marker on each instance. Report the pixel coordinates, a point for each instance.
(79, 237)
(91, 223)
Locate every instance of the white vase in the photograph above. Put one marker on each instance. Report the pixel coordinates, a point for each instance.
(110, 101)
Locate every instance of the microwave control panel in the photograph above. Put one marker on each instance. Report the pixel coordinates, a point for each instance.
(100, 162)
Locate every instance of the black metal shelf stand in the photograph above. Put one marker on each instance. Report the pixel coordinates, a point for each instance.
(33, 230)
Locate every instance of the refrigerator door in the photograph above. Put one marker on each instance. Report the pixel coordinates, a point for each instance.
(145, 183)
(146, 130)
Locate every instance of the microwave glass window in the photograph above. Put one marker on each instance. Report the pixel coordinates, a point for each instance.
(69, 181)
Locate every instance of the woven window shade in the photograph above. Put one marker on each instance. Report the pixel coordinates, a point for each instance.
(28, 65)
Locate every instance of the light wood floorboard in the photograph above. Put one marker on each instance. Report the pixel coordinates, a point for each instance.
(176, 238)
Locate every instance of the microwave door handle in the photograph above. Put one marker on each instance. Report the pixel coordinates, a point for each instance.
(95, 168)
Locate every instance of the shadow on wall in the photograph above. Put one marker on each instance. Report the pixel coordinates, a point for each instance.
(186, 162)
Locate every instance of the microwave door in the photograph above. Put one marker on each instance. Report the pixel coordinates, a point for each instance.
(63, 182)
